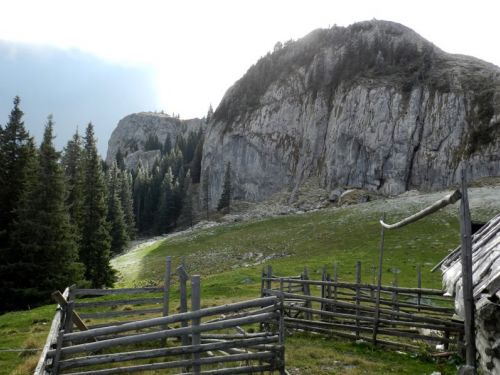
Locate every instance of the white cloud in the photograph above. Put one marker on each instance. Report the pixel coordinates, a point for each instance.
(199, 48)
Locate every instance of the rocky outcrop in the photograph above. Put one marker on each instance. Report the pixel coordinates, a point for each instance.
(132, 133)
(372, 106)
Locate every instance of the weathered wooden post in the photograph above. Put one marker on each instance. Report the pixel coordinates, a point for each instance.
(358, 296)
(323, 288)
(395, 306)
(307, 292)
(166, 286)
(335, 281)
(195, 305)
(379, 284)
(467, 285)
(183, 278)
(419, 285)
(166, 292)
(281, 329)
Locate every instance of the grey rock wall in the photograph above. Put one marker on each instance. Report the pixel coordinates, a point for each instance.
(371, 131)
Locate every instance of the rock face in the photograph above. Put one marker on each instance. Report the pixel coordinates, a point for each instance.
(133, 132)
(372, 106)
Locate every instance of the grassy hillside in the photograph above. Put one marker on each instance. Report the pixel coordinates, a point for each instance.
(230, 258)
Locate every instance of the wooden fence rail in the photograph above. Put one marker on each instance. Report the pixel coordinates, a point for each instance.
(214, 340)
(414, 316)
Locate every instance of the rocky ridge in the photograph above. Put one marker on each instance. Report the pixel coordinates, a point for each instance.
(133, 131)
(371, 106)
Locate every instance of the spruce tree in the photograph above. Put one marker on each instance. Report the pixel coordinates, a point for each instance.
(127, 202)
(187, 204)
(116, 217)
(72, 161)
(96, 241)
(42, 235)
(225, 198)
(16, 148)
(166, 208)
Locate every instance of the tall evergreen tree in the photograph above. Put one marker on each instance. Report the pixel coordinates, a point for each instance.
(42, 235)
(96, 241)
(127, 202)
(225, 198)
(165, 215)
(187, 216)
(16, 148)
(72, 161)
(116, 217)
(196, 162)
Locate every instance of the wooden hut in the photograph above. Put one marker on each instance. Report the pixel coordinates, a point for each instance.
(486, 292)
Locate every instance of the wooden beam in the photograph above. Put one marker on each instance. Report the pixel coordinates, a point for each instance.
(59, 298)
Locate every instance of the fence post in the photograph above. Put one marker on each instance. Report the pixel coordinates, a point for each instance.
(166, 286)
(166, 292)
(335, 280)
(59, 345)
(307, 292)
(323, 288)
(372, 289)
(379, 284)
(419, 286)
(358, 282)
(395, 283)
(281, 328)
(195, 305)
(269, 275)
(183, 278)
(467, 285)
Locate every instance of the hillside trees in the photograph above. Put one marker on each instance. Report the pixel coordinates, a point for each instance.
(95, 246)
(116, 216)
(72, 162)
(42, 234)
(16, 150)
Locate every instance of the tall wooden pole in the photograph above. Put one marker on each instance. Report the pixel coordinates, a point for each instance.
(467, 285)
(379, 283)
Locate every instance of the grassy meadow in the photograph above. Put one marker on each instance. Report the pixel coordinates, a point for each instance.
(230, 258)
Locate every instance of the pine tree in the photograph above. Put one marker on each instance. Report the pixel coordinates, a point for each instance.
(116, 217)
(196, 162)
(72, 161)
(225, 198)
(43, 236)
(127, 202)
(165, 215)
(16, 146)
(187, 216)
(96, 241)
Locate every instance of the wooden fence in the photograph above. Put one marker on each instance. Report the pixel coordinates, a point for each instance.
(400, 317)
(213, 340)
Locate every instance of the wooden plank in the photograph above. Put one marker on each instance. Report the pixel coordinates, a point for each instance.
(61, 300)
(109, 314)
(383, 288)
(365, 308)
(51, 337)
(133, 339)
(195, 306)
(264, 356)
(107, 292)
(137, 325)
(358, 282)
(163, 352)
(467, 285)
(451, 327)
(133, 302)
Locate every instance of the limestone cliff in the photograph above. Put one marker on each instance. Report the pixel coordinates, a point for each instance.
(372, 106)
(132, 133)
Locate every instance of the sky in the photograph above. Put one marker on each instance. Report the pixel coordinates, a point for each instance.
(181, 56)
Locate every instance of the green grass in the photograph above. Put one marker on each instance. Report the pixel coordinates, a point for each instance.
(230, 259)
